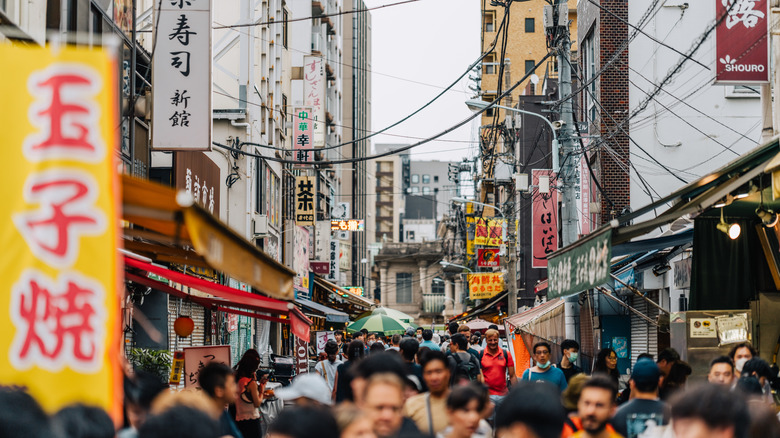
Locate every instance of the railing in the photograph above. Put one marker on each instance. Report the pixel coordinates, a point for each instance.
(433, 303)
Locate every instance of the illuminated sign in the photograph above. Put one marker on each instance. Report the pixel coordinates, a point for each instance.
(348, 225)
(355, 290)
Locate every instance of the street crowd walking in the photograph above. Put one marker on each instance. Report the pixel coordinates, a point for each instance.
(401, 387)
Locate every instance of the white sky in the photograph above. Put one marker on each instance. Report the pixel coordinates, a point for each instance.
(430, 42)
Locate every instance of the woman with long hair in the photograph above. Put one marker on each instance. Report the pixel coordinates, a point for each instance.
(250, 396)
(465, 409)
(342, 390)
(606, 363)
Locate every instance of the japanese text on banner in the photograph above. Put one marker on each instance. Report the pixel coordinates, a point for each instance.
(485, 285)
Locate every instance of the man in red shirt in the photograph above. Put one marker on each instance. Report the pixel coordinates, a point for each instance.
(496, 363)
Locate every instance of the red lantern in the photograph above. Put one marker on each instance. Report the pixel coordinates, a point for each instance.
(183, 326)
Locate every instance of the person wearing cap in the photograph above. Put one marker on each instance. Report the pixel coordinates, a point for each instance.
(645, 408)
(306, 390)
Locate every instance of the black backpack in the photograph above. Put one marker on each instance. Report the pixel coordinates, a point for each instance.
(465, 370)
(506, 354)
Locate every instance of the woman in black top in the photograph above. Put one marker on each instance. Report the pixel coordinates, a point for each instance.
(342, 390)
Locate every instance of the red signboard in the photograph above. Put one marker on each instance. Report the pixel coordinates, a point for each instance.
(488, 258)
(742, 53)
(544, 222)
(321, 268)
(301, 356)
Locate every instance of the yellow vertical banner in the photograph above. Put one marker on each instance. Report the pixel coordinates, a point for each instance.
(59, 268)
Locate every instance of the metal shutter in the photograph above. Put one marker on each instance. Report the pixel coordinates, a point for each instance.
(644, 336)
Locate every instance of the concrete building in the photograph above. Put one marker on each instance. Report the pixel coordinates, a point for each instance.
(430, 184)
(392, 180)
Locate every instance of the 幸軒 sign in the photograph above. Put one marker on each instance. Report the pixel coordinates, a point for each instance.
(582, 267)
(348, 225)
(485, 286)
(303, 133)
(304, 200)
(182, 76)
(61, 339)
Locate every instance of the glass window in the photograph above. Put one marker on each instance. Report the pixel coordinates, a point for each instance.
(415, 190)
(489, 21)
(529, 66)
(426, 190)
(435, 178)
(437, 286)
(415, 178)
(529, 25)
(403, 287)
(489, 64)
(426, 179)
(489, 98)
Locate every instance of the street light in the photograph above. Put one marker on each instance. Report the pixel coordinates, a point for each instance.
(479, 105)
(445, 264)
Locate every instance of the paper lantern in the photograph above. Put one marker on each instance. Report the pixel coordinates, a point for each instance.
(183, 326)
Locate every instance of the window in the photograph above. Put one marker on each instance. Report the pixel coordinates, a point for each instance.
(403, 287)
(489, 21)
(743, 91)
(529, 66)
(589, 70)
(489, 64)
(426, 190)
(285, 16)
(435, 178)
(410, 236)
(260, 188)
(529, 25)
(489, 98)
(415, 190)
(437, 286)
(415, 179)
(426, 179)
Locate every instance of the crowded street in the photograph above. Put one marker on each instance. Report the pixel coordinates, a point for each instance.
(390, 219)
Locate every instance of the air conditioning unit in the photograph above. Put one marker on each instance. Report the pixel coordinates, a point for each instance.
(260, 225)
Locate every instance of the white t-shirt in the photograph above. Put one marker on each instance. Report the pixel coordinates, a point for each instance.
(328, 371)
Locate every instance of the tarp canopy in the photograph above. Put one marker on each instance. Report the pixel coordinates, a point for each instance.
(331, 315)
(167, 226)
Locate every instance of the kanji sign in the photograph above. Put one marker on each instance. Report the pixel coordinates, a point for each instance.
(741, 40)
(489, 232)
(59, 267)
(583, 266)
(355, 290)
(195, 358)
(485, 286)
(303, 129)
(488, 258)
(314, 96)
(304, 200)
(348, 225)
(321, 268)
(181, 75)
(544, 220)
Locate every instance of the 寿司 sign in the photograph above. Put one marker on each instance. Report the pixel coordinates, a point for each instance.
(741, 39)
(60, 270)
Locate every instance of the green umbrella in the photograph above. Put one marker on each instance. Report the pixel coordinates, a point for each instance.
(378, 323)
(397, 314)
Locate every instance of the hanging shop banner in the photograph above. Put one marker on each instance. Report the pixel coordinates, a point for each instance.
(742, 47)
(348, 225)
(489, 232)
(333, 260)
(195, 358)
(319, 268)
(304, 200)
(488, 258)
(301, 356)
(544, 219)
(59, 268)
(582, 195)
(582, 266)
(196, 174)
(303, 132)
(181, 75)
(301, 262)
(314, 96)
(485, 286)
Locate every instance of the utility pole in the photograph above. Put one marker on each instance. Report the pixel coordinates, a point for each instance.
(567, 175)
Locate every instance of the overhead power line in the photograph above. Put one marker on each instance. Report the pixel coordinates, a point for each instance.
(314, 17)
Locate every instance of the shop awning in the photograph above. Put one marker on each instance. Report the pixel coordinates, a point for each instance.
(331, 315)
(544, 321)
(168, 224)
(222, 298)
(343, 293)
(481, 309)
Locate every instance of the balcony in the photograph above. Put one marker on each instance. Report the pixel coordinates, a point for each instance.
(316, 8)
(317, 43)
(433, 303)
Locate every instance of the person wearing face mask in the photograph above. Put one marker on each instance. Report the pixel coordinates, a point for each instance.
(740, 354)
(571, 351)
(543, 370)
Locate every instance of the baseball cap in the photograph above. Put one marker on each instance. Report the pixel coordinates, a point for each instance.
(410, 331)
(645, 371)
(309, 385)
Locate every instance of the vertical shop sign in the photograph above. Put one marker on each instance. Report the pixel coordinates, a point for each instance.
(303, 129)
(314, 96)
(181, 75)
(301, 356)
(196, 174)
(60, 269)
(741, 40)
(301, 262)
(544, 220)
(583, 196)
(333, 260)
(304, 200)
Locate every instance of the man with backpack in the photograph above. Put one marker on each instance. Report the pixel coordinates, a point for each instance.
(465, 366)
(496, 362)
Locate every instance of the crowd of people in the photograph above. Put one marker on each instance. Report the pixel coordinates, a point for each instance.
(418, 385)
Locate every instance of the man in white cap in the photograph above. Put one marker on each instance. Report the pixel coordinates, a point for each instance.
(306, 390)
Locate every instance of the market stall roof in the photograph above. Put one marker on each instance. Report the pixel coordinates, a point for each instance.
(168, 225)
(482, 308)
(542, 320)
(343, 293)
(331, 315)
(219, 297)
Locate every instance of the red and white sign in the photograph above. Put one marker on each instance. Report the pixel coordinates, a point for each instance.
(321, 268)
(488, 258)
(544, 219)
(583, 197)
(741, 39)
(303, 132)
(301, 356)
